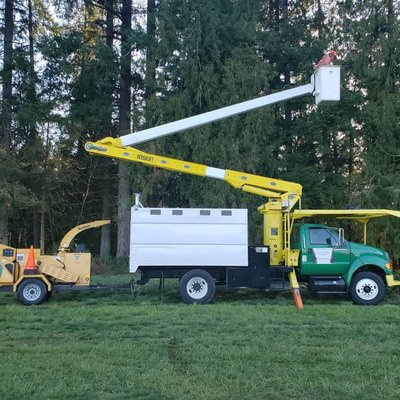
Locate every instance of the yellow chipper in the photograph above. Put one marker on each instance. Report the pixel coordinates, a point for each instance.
(34, 276)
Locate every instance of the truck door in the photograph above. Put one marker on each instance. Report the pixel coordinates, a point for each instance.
(321, 253)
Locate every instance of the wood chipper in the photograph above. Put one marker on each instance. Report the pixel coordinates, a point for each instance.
(34, 276)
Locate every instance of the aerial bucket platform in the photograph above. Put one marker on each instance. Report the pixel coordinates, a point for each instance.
(327, 84)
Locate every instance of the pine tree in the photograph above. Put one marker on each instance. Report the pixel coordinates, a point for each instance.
(124, 128)
(371, 31)
(208, 57)
(6, 110)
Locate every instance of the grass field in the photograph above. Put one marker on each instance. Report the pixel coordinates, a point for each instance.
(246, 345)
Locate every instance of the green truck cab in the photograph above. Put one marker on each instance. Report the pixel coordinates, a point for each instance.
(334, 265)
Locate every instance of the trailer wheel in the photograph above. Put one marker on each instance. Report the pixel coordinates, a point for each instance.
(197, 286)
(32, 291)
(367, 288)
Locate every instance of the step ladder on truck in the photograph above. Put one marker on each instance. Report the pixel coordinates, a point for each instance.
(319, 255)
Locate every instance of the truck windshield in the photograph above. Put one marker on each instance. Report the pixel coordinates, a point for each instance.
(323, 236)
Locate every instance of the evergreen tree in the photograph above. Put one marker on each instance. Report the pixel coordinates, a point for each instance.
(6, 110)
(208, 58)
(373, 57)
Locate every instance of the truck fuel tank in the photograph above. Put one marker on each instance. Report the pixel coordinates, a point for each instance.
(327, 284)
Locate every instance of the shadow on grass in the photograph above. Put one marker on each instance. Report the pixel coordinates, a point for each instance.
(152, 294)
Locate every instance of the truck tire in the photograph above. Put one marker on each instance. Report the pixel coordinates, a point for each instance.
(367, 288)
(32, 291)
(197, 286)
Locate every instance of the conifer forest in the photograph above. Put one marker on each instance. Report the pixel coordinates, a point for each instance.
(74, 71)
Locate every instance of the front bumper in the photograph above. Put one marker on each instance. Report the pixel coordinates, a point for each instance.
(390, 281)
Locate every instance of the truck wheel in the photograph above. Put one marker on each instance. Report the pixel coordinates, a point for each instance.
(197, 286)
(32, 291)
(367, 288)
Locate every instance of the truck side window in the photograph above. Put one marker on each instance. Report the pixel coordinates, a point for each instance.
(323, 236)
(295, 237)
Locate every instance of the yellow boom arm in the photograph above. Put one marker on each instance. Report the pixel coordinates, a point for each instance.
(288, 193)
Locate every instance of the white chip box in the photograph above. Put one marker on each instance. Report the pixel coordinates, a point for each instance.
(188, 237)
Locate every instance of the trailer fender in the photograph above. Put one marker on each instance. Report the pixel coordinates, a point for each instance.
(38, 276)
(373, 261)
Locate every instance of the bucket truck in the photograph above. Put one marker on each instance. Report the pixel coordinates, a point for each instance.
(181, 243)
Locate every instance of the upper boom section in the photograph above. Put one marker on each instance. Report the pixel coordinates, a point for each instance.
(325, 86)
(212, 116)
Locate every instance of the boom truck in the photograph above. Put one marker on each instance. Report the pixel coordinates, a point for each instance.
(205, 247)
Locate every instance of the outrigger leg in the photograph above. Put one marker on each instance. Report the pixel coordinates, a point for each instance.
(295, 290)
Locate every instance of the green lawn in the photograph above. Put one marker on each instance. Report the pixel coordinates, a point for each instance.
(246, 345)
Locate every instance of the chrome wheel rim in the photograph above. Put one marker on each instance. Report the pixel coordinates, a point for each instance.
(32, 292)
(367, 289)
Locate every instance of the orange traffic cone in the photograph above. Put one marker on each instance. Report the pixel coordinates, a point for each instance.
(30, 267)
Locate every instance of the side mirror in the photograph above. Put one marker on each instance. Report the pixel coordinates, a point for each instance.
(341, 237)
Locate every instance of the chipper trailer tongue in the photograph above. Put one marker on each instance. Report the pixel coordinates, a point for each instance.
(318, 254)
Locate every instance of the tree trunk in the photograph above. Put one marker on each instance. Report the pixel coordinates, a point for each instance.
(7, 74)
(319, 17)
(150, 56)
(105, 241)
(286, 66)
(110, 23)
(351, 155)
(124, 127)
(42, 223)
(6, 109)
(32, 76)
(36, 230)
(391, 83)
(285, 10)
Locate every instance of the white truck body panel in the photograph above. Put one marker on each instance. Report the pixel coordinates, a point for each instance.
(188, 237)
